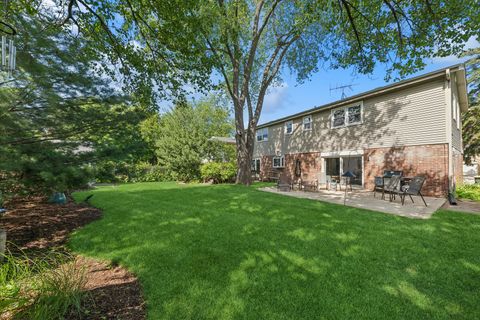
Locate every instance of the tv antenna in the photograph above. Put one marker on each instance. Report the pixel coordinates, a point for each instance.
(343, 88)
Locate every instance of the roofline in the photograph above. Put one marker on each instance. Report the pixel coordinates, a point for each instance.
(368, 94)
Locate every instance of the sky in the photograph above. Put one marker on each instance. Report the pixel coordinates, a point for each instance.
(290, 98)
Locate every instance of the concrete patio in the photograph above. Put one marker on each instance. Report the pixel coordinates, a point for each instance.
(364, 199)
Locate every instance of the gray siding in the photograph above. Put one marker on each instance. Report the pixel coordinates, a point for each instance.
(456, 127)
(411, 116)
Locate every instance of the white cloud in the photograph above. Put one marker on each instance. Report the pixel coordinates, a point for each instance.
(276, 98)
(470, 44)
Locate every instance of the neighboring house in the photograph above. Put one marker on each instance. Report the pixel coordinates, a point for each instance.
(412, 125)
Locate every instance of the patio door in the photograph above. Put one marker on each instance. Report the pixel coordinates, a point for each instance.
(354, 165)
(334, 166)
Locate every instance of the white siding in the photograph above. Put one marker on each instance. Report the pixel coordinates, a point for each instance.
(410, 116)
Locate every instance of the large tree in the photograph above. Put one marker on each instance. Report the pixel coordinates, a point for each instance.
(57, 115)
(246, 43)
(182, 136)
(471, 120)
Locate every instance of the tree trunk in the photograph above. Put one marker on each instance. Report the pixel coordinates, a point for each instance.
(244, 158)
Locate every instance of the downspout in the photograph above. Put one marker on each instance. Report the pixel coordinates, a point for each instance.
(448, 106)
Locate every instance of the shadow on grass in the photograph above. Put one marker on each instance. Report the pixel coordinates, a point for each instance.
(235, 252)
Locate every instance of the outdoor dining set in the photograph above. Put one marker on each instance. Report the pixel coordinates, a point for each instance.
(395, 184)
(392, 183)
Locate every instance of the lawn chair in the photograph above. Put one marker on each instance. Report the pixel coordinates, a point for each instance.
(413, 189)
(383, 181)
(379, 186)
(393, 186)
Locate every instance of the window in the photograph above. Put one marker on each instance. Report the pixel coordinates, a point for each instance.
(307, 123)
(347, 116)
(338, 118)
(279, 162)
(289, 127)
(256, 165)
(262, 134)
(354, 114)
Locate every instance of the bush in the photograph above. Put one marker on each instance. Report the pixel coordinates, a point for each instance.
(218, 172)
(469, 191)
(112, 172)
(45, 288)
(145, 172)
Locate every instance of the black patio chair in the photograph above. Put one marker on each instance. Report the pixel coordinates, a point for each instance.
(393, 186)
(379, 186)
(382, 182)
(387, 175)
(413, 189)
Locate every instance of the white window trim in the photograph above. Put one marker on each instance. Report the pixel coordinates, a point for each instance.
(345, 108)
(286, 126)
(259, 164)
(311, 123)
(256, 134)
(282, 161)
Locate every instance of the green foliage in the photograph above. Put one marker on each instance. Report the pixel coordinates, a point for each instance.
(471, 119)
(218, 172)
(114, 172)
(234, 252)
(46, 287)
(471, 192)
(182, 137)
(59, 117)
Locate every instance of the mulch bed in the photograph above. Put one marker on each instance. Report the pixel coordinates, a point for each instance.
(34, 226)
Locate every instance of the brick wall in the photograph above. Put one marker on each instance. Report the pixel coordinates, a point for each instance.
(310, 167)
(428, 160)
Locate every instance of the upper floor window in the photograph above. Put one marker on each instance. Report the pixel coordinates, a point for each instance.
(279, 162)
(346, 116)
(307, 123)
(262, 134)
(289, 127)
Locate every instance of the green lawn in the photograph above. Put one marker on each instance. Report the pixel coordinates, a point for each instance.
(233, 252)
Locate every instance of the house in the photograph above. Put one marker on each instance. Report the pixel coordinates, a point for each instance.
(412, 125)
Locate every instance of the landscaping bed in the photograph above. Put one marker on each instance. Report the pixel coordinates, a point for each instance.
(35, 227)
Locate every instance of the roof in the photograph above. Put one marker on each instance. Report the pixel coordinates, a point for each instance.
(372, 93)
(226, 140)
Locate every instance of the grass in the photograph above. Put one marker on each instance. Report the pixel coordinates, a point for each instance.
(234, 252)
(45, 287)
(471, 192)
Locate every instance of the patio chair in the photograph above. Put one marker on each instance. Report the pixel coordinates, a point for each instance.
(393, 186)
(387, 175)
(413, 189)
(379, 186)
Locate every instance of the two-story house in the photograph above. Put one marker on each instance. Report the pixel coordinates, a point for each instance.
(412, 125)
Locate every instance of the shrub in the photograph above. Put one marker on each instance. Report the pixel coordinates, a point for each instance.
(123, 172)
(218, 172)
(471, 192)
(44, 288)
(146, 172)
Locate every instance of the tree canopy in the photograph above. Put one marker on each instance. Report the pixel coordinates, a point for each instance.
(182, 137)
(163, 47)
(57, 115)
